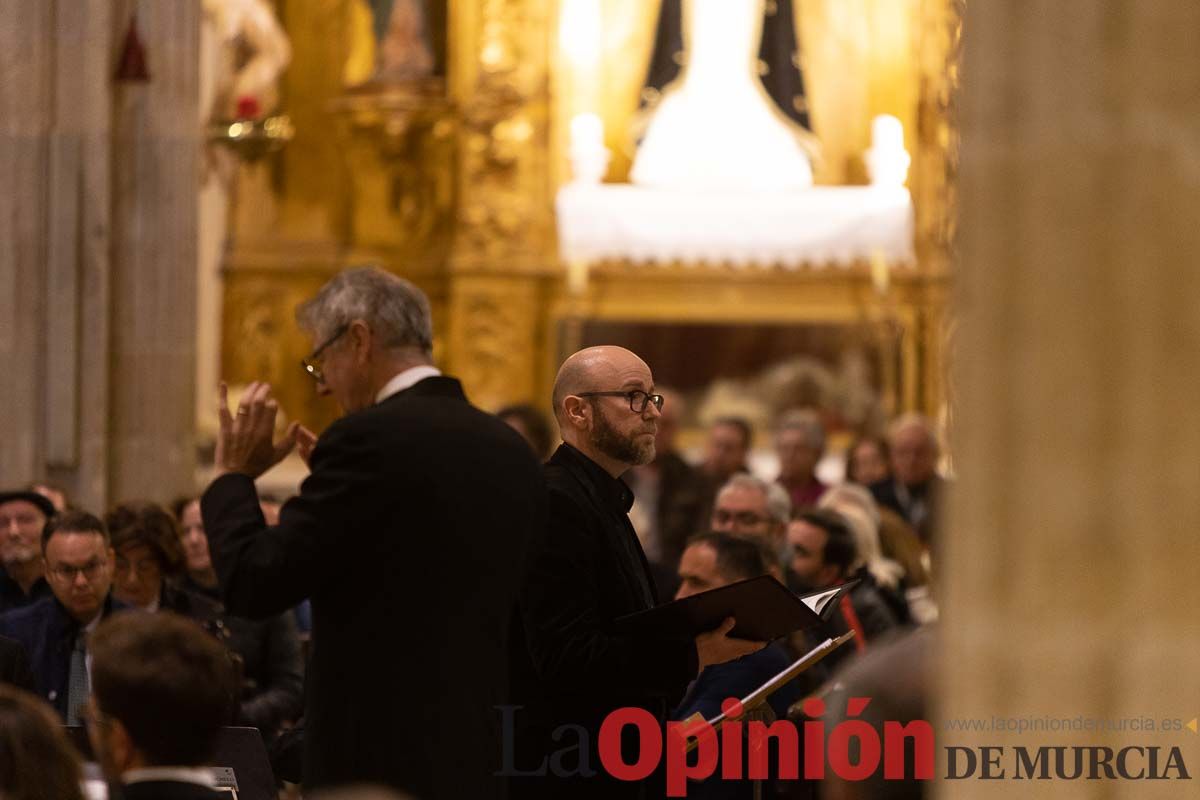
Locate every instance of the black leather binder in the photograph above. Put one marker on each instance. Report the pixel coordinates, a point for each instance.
(764, 608)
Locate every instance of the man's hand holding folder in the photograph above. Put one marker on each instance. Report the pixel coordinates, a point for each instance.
(716, 646)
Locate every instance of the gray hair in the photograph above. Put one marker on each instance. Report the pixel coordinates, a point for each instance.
(914, 420)
(807, 422)
(779, 504)
(395, 310)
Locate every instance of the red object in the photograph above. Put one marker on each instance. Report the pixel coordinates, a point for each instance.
(132, 66)
(248, 107)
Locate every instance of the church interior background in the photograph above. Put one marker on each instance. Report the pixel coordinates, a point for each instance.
(1033, 271)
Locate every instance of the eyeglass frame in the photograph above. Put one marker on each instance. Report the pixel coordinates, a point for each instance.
(657, 399)
(314, 370)
(68, 573)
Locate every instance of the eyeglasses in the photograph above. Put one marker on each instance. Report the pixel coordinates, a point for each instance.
(723, 517)
(312, 364)
(66, 573)
(638, 400)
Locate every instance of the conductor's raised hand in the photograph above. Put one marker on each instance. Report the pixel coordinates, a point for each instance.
(715, 647)
(245, 443)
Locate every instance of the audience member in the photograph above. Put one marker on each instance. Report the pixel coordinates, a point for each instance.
(23, 515)
(162, 691)
(54, 630)
(272, 666)
(914, 490)
(857, 509)
(800, 444)
(37, 761)
(748, 506)
(669, 496)
(868, 461)
(727, 448)
(587, 569)
(533, 426)
(713, 560)
(822, 554)
(14, 666)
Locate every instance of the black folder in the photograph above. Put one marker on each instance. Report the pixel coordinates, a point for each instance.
(765, 610)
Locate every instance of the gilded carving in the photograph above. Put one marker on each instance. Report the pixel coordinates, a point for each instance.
(493, 339)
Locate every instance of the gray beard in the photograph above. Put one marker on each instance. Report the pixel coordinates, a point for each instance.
(625, 449)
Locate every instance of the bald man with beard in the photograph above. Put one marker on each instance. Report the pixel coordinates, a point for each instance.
(587, 570)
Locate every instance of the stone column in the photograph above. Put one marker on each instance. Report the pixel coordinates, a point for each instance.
(1066, 573)
(97, 249)
(156, 149)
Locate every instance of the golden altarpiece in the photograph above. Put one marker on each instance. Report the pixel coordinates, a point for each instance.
(451, 183)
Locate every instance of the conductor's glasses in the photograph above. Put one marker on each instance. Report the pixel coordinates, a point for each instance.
(638, 400)
(312, 364)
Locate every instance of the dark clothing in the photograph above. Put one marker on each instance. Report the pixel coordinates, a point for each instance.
(169, 790)
(271, 664)
(920, 505)
(47, 632)
(13, 596)
(14, 665)
(587, 569)
(736, 679)
(409, 537)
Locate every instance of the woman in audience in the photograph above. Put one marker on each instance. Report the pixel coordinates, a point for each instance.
(273, 669)
(37, 762)
(868, 461)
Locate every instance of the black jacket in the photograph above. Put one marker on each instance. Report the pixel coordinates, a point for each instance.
(586, 570)
(408, 536)
(272, 666)
(14, 665)
(168, 790)
(47, 632)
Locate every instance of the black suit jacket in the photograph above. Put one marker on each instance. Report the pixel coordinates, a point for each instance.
(168, 790)
(586, 570)
(14, 665)
(47, 632)
(409, 537)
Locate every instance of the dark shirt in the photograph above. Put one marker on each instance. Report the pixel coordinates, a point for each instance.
(586, 570)
(14, 665)
(13, 596)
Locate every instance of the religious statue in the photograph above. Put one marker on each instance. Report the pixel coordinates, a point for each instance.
(736, 118)
(243, 51)
(408, 45)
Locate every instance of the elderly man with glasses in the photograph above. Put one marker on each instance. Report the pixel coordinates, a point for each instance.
(587, 569)
(54, 630)
(408, 536)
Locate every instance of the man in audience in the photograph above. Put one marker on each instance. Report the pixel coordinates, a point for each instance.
(587, 569)
(800, 444)
(162, 690)
(668, 495)
(728, 446)
(54, 630)
(23, 515)
(822, 553)
(533, 426)
(748, 506)
(409, 536)
(713, 560)
(914, 490)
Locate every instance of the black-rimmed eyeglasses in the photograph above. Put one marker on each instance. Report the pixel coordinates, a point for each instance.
(638, 400)
(312, 364)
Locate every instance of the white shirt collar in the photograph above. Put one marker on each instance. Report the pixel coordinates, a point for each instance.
(403, 380)
(201, 776)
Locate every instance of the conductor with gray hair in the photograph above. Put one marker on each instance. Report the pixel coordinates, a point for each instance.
(401, 534)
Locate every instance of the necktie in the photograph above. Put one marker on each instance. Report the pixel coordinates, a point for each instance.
(77, 681)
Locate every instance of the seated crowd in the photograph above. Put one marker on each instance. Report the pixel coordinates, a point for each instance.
(68, 579)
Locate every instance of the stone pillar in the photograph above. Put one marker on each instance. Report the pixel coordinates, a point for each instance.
(97, 249)
(1066, 570)
(155, 176)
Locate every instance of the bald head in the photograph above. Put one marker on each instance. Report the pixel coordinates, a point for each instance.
(594, 369)
(595, 412)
